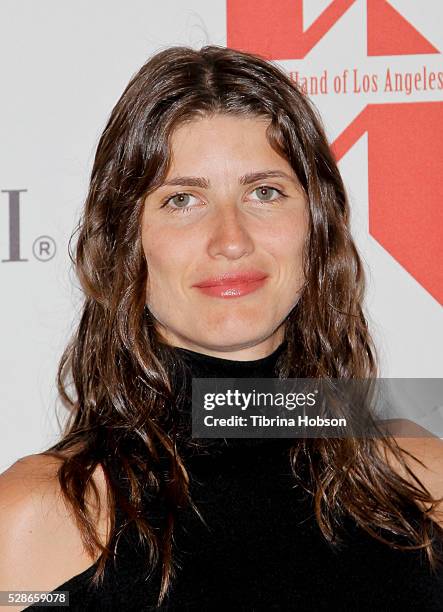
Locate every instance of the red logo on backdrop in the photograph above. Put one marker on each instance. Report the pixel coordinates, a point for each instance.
(275, 29)
(404, 162)
(405, 186)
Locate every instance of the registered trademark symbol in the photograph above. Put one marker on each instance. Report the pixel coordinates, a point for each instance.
(44, 248)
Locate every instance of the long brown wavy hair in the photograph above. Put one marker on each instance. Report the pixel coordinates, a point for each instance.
(122, 372)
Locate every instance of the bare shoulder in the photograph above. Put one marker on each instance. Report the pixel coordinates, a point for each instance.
(423, 453)
(40, 543)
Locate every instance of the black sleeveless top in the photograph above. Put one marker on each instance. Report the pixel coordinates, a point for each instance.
(261, 548)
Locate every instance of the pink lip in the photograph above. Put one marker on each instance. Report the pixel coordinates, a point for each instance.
(229, 279)
(232, 285)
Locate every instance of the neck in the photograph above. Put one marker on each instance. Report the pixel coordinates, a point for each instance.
(188, 364)
(210, 366)
(246, 353)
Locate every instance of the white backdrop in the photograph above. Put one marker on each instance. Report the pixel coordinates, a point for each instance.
(63, 66)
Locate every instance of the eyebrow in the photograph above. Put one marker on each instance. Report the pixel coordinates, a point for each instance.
(246, 179)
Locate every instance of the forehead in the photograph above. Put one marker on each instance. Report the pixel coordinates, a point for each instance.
(220, 121)
(226, 140)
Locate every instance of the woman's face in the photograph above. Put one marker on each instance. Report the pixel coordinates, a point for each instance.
(242, 211)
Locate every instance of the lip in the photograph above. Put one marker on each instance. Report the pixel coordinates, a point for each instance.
(229, 279)
(233, 285)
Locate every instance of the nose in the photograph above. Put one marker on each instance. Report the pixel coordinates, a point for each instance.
(229, 236)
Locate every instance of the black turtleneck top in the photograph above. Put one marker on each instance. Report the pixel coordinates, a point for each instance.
(261, 548)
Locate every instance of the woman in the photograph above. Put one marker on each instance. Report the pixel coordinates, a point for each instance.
(214, 164)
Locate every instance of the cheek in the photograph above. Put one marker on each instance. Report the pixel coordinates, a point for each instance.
(155, 248)
(287, 242)
(288, 253)
(166, 257)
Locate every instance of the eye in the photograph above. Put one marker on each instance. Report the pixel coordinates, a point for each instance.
(266, 191)
(178, 202)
